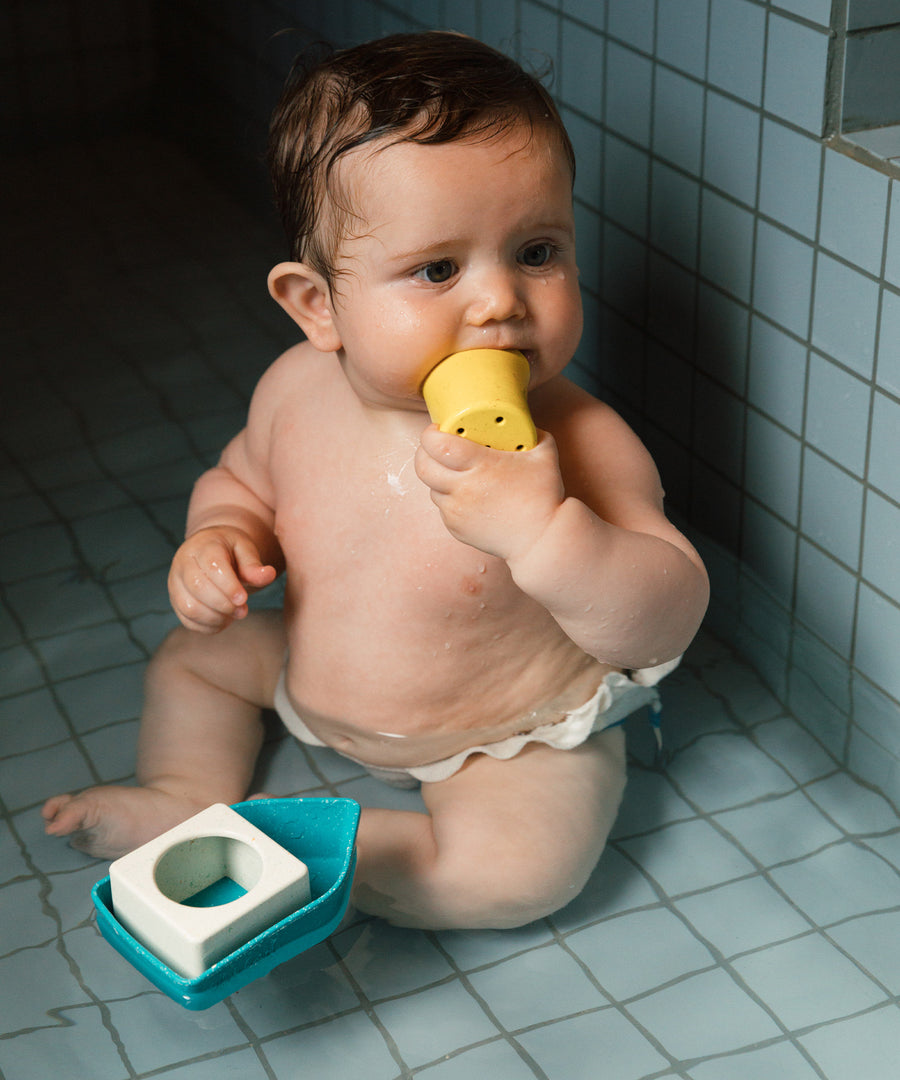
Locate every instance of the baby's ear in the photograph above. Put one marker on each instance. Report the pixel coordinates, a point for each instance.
(305, 296)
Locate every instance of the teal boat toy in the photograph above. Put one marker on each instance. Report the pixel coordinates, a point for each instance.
(321, 833)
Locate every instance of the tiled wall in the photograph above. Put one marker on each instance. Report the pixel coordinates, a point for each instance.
(743, 288)
(73, 67)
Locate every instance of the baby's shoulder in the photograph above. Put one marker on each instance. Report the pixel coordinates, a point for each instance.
(298, 376)
(598, 449)
(571, 414)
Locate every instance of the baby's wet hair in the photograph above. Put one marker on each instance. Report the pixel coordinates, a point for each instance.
(431, 87)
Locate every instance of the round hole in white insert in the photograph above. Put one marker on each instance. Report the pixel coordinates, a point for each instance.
(221, 868)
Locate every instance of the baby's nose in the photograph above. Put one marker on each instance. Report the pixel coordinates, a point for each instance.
(496, 299)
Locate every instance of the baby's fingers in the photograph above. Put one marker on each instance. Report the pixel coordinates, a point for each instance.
(203, 608)
(251, 571)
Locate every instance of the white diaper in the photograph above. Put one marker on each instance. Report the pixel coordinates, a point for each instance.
(617, 697)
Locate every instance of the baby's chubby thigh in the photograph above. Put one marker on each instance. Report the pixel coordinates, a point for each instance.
(518, 839)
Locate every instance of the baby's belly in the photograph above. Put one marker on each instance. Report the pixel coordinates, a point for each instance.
(429, 728)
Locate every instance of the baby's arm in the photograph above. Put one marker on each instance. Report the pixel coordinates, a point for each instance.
(597, 552)
(230, 547)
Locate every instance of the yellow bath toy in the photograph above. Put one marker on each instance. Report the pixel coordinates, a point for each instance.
(480, 394)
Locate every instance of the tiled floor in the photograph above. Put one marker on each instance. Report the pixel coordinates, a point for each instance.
(744, 922)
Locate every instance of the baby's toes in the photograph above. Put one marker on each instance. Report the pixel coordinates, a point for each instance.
(58, 812)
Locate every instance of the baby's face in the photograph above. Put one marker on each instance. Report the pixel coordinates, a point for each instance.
(458, 246)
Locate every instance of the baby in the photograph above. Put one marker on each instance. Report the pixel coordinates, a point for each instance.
(473, 619)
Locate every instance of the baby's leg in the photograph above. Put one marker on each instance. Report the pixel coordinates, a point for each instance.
(199, 738)
(507, 842)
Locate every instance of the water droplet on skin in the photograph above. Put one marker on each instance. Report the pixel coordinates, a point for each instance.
(590, 607)
(481, 568)
(446, 644)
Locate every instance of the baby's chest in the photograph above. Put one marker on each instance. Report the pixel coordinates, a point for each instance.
(377, 534)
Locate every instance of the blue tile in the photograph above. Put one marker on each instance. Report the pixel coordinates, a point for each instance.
(79, 1046)
(773, 466)
(826, 594)
(888, 372)
(777, 383)
(43, 981)
(742, 916)
(703, 1015)
(445, 1018)
(632, 21)
(837, 414)
(473, 948)
(877, 715)
(581, 79)
(874, 942)
(540, 985)
(854, 208)
(789, 177)
(783, 278)
(628, 81)
(892, 263)
(559, 1049)
(726, 247)
(347, 1046)
(243, 1065)
(90, 649)
(885, 449)
(496, 1059)
(795, 73)
(668, 392)
(678, 119)
(309, 988)
(36, 549)
(845, 315)
(627, 956)
(686, 856)
(837, 883)
(779, 829)
(591, 12)
(722, 338)
(590, 249)
(33, 777)
(808, 981)
(720, 438)
(881, 550)
(650, 801)
(719, 771)
(30, 721)
(781, 1060)
(587, 139)
(868, 1045)
(624, 272)
(626, 177)
(674, 214)
(681, 31)
(794, 749)
(736, 42)
(538, 36)
(831, 508)
(768, 547)
(817, 11)
(386, 960)
(56, 603)
(854, 807)
(878, 640)
(731, 147)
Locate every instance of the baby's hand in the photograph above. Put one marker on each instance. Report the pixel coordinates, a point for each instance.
(499, 501)
(210, 577)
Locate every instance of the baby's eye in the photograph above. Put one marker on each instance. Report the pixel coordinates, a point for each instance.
(536, 255)
(437, 272)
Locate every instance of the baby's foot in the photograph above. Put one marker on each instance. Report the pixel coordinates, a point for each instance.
(110, 821)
